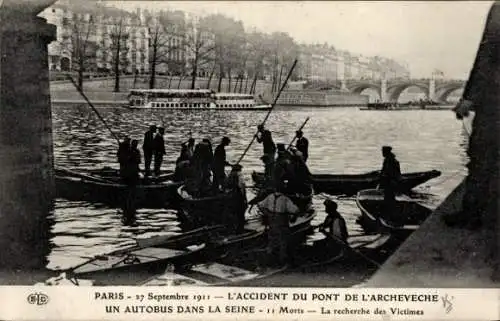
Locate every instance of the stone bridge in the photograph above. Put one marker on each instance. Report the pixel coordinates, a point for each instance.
(390, 90)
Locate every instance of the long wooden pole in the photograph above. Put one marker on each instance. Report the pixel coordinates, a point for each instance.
(270, 110)
(93, 108)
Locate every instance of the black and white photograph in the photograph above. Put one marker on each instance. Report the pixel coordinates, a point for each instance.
(266, 144)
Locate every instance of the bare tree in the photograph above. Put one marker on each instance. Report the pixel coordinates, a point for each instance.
(81, 43)
(117, 36)
(165, 30)
(200, 47)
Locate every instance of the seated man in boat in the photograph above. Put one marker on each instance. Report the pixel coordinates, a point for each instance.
(220, 162)
(123, 154)
(236, 183)
(334, 224)
(278, 209)
(390, 177)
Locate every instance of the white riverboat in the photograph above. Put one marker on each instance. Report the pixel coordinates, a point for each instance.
(191, 99)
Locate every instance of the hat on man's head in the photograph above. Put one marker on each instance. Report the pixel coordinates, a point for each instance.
(386, 148)
(329, 204)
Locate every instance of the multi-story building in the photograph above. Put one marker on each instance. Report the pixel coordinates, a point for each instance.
(167, 31)
(90, 35)
(324, 63)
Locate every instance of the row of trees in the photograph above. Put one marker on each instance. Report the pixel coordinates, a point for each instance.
(215, 44)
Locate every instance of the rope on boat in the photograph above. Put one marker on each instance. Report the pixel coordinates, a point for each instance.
(270, 110)
(92, 106)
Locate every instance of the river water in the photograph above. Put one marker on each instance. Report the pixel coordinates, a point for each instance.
(342, 140)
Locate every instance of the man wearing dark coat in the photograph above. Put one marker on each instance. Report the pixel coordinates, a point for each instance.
(220, 163)
(148, 148)
(390, 177)
(302, 145)
(158, 150)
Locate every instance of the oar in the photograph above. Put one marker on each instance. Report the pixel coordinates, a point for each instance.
(270, 110)
(92, 106)
(300, 128)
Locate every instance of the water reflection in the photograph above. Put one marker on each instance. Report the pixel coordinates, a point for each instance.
(342, 140)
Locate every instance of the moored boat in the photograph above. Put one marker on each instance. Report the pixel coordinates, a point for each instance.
(408, 216)
(350, 184)
(147, 256)
(78, 186)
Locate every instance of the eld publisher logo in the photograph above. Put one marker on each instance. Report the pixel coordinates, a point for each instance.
(38, 298)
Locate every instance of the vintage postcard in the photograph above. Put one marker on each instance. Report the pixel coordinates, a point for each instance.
(249, 159)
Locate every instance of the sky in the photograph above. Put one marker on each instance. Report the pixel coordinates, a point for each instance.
(427, 35)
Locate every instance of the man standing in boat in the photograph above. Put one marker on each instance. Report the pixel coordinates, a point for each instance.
(148, 148)
(236, 183)
(265, 137)
(123, 155)
(282, 167)
(302, 145)
(158, 150)
(220, 163)
(131, 180)
(390, 177)
(278, 209)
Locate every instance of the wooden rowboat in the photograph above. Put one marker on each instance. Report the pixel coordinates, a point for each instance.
(78, 186)
(350, 184)
(410, 214)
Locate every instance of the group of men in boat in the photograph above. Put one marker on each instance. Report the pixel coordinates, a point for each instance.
(129, 156)
(286, 176)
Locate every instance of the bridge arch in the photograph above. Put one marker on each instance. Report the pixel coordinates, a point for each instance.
(443, 92)
(358, 88)
(395, 91)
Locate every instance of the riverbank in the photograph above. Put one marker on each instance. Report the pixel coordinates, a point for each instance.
(438, 256)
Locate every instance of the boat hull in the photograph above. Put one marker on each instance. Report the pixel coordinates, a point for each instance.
(350, 184)
(258, 107)
(113, 193)
(410, 214)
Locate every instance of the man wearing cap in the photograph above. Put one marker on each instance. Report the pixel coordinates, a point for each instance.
(334, 224)
(390, 177)
(220, 162)
(302, 145)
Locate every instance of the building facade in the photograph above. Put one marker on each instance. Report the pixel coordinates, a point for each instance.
(325, 63)
(93, 37)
